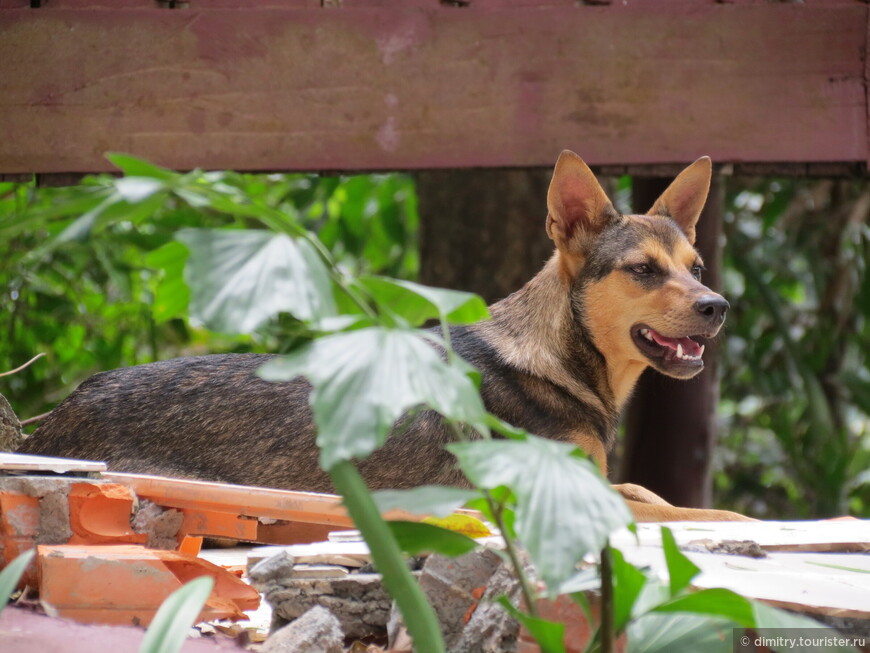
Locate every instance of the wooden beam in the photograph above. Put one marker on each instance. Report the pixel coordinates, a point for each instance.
(252, 86)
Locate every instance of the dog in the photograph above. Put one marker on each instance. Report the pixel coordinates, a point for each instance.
(559, 358)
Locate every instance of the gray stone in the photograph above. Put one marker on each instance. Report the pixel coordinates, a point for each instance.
(359, 601)
(10, 428)
(271, 569)
(316, 631)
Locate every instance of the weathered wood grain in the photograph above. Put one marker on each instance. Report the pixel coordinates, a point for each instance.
(362, 87)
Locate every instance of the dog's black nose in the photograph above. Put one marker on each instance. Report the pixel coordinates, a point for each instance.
(712, 307)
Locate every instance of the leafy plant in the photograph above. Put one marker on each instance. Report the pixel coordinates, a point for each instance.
(92, 275)
(176, 615)
(11, 574)
(795, 381)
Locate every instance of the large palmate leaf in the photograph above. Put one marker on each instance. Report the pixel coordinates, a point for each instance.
(364, 380)
(416, 303)
(241, 278)
(565, 509)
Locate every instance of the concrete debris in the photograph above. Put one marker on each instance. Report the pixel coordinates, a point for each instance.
(316, 631)
(748, 548)
(455, 585)
(359, 601)
(463, 591)
(489, 629)
(161, 525)
(54, 525)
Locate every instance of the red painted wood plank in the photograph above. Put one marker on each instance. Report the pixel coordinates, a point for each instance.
(274, 89)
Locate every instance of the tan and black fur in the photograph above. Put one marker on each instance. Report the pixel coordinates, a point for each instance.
(559, 358)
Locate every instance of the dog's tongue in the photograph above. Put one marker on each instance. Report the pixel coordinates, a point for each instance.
(690, 347)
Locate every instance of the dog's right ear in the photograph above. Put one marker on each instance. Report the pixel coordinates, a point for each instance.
(578, 206)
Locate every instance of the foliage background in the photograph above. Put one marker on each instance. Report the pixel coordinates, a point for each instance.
(99, 293)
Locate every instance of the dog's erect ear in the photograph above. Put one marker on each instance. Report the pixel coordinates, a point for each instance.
(576, 202)
(683, 200)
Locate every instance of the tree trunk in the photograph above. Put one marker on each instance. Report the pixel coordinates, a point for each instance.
(670, 424)
(482, 230)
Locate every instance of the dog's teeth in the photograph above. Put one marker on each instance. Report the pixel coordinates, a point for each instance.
(701, 353)
(679, 351)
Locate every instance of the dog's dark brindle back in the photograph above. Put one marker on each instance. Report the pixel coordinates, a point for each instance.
(559, 358)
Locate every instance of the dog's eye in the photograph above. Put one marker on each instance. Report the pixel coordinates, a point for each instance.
(696, 271)
(641, 269)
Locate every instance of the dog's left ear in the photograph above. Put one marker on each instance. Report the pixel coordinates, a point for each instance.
(683, 200)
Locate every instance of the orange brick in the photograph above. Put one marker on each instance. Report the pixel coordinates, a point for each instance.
(116, 584)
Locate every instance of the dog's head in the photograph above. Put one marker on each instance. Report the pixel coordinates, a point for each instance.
(636, 279)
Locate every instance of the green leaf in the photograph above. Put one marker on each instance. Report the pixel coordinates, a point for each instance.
(11, 574)
(172, 296)
(239, 279)
(176, 615)
(565, 509)
(681, 570)
(133, 167)
(415, 538)
(81, 227)
(417, 303)
(628, 582)
(715, 603)
(549, 635)
(765, 616)
(364, 380)
(667, 633)
(437, 500)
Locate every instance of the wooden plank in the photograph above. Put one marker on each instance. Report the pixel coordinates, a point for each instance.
(19, 463)
(817, 536)
(814, 583)
(348, 554)
(306, 507)
(248, 501)
(432, 86)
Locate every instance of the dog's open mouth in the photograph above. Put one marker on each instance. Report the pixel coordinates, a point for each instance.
(666, 351)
